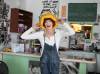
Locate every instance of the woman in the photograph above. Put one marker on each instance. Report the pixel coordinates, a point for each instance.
(49, 38)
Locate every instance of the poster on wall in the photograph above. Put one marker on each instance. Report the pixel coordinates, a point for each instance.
(63, 11)
(51, 5)
(87, 31)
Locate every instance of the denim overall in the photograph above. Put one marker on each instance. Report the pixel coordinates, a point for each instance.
(49, 60)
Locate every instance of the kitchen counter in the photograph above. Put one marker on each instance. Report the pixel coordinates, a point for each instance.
(14, 60)
(21, 54)
(78, 56)
(63, 57)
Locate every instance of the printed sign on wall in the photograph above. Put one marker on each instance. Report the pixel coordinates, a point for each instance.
(63, 11)
(51, 5)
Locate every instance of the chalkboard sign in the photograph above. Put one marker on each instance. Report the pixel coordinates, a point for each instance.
(82, 12)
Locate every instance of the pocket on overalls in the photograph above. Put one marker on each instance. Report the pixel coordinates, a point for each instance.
(56, 63)
(55, 67)
(43, 59)
(42, 65)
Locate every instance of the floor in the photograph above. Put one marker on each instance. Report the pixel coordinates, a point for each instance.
(93, 73)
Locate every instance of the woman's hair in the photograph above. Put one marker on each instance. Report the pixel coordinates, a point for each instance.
(50, 20)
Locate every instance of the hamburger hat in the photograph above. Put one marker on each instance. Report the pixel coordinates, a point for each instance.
(46, 15)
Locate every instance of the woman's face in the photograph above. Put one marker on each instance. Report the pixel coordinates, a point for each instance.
(48, 25)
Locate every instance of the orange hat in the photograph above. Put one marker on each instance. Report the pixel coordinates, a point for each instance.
(45, 15)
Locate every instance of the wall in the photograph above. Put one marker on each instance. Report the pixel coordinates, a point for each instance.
(34, 6)
(22, 4)
(82, 1)
(12, 4)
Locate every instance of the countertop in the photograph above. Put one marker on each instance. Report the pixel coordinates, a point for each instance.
(67, 59)
(21, 54)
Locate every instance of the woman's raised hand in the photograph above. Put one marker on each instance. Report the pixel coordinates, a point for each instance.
(36, 27)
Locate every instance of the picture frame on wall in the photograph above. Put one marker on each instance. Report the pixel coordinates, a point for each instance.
(63, 11)
(87, 30)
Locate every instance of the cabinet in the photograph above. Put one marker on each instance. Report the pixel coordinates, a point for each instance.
(20, 20)
(20, 64)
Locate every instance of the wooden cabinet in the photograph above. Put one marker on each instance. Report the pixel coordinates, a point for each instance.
(20, 18)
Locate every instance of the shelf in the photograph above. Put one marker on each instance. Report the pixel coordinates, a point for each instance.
(37, 44)
(19, 16)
